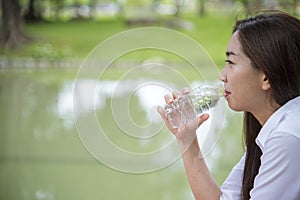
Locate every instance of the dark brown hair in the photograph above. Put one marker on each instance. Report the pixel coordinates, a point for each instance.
(271, 40)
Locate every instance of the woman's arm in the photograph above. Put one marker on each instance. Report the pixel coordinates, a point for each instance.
(201, 182)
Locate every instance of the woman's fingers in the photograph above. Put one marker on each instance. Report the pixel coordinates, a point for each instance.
(192, 125)
(160, 110)
(162, 113)
(176, 94)
(186, 90)
(195, 123)
(202, 118)
(168, 99)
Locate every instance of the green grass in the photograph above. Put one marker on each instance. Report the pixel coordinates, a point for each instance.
(77, 38)
(213, 33)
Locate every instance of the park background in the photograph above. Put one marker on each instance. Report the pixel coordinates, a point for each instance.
(44, 43)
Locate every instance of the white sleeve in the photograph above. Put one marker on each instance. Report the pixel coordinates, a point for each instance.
(231, 188)
(278, 176)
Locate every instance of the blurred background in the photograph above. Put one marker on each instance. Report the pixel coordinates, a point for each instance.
(43, 44)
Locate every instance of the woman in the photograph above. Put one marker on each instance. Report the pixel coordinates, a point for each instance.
(262, 78)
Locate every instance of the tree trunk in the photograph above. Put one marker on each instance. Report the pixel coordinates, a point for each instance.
(13, 35)
(58, 8)
(257, 5)
(178, 5)
(246, 5)
(32, 14)
(202, 7)
(295, 7)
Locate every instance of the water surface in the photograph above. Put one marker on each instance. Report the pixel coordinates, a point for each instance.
(42, 155)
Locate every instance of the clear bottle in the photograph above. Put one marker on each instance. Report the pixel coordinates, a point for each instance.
(188, 106)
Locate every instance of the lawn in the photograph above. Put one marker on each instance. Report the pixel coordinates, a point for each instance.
(76, 39)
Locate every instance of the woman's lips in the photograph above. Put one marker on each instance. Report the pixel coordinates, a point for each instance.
(227, 93)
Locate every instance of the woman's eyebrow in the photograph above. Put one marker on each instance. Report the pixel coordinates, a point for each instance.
(228, 53)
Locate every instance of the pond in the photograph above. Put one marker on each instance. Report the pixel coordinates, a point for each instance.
(67, 137)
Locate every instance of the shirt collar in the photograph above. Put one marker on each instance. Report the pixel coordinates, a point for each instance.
(274, 120)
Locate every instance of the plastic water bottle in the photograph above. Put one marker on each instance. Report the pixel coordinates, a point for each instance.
(188, 106)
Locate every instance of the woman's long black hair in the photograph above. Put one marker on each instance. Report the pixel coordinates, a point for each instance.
(272, 42)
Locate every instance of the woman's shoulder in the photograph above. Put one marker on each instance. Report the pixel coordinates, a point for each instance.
(290, 121)
(284, 122)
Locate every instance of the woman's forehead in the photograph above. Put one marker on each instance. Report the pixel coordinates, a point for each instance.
(234, 46)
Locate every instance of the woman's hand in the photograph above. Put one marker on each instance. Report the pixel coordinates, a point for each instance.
(201, 182)
(185, 133)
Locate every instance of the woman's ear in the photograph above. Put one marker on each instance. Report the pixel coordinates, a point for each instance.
(265, 83)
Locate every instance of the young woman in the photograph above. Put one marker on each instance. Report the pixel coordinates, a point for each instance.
(262, 78)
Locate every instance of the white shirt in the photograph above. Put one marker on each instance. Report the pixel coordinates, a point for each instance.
(279, 174)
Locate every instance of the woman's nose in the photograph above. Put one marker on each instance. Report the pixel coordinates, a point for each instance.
(223, 76)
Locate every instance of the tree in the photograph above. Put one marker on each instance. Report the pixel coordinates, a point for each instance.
(251, 5)
(13, 35)
(201, 7)
(295, 3)
(33, 11)
(290, 5)
(257, 4)
(178, 6)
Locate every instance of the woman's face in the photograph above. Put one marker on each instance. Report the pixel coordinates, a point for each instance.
(243, 84)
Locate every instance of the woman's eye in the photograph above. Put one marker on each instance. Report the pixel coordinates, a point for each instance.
(229, 61)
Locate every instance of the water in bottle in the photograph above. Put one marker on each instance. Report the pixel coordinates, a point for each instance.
(188, 106)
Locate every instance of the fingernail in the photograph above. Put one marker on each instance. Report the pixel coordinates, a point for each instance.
(185, 90)
(205, 116)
